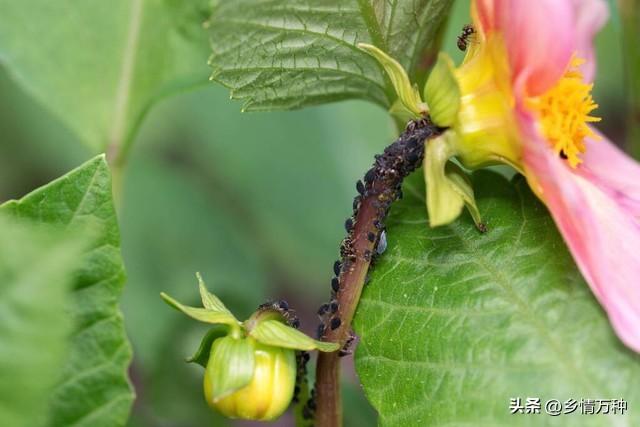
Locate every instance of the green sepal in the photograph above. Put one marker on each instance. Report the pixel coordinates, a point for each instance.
(201, 356)
(448, 188)
(209, 300)
(461, 183)
(230, 366)
(442, 92)
(408, 94)
(277, 334)
(202, 314)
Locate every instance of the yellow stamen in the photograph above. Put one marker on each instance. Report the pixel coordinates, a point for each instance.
(563, 113)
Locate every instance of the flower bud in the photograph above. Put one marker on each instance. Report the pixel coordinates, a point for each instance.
(270, 387)
(250, 366)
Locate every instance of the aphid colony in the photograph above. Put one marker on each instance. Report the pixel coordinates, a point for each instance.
(366, 236)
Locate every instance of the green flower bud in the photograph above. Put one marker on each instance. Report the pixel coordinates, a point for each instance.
(270, 386)
(250, 367)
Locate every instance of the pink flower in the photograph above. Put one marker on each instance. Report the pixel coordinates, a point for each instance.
(591, 188)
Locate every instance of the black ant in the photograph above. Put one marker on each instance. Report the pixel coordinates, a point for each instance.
(463, 39)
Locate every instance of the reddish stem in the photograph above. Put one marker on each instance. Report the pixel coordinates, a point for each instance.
(381, 187)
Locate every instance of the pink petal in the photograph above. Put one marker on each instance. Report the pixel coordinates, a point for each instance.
(540, 39)
(485, 10)
(601, 233)
(613, 171)
(590, 16)
(539, 36)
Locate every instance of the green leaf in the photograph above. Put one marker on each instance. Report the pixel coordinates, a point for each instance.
(93, 389)
(407, 93)
(454, 323)
(201, 356)
(289, 54)
(99, 66)
(209, 300)
(36, 272)
(201, 314)
(231, 365)
(277, 334)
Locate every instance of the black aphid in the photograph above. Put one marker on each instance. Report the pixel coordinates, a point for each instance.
(360, 187)
(368, 177)
(348, 225)
(335, 323)
(336, 268)
(283, 304)
(371, 237)
(323, 309)
(335, 284)
(333, 306)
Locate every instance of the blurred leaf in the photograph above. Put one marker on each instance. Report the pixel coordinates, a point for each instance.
(93, 390)
(630, 13)
(36, 271)
(99, 66)
(289, 54)
(455, 323)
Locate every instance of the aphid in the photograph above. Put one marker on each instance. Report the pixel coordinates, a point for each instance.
(367, 255)
(382, 243)
(320, 331)
(371, 237)
(283, 305)
(348, 224)
(368, 177)
(335, 323)
(336, 268)
(464, 38)
(335, 284)
(295, 324)
(323, 309)
(333, 306)
(360, 187)
(356, 203)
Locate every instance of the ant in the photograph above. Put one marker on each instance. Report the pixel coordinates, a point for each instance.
(463, 39)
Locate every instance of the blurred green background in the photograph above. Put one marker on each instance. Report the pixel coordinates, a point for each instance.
(256, 202)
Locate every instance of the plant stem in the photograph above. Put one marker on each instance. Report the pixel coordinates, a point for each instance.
(381, 187)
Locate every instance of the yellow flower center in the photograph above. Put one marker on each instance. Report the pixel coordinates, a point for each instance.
(563, 113)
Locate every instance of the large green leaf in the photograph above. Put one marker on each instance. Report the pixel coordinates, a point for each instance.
(455, 323)
(36, 271)
(100, 65)
(93, 389)
(276, 54)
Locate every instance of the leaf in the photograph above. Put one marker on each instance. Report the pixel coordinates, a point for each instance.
(94, 389)
(99, 66)
(201, 314)
(290, 54)
(201, 356)
(277, 334)
(209, 300)
(455, 323)
(36, 271)
(231, 366)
